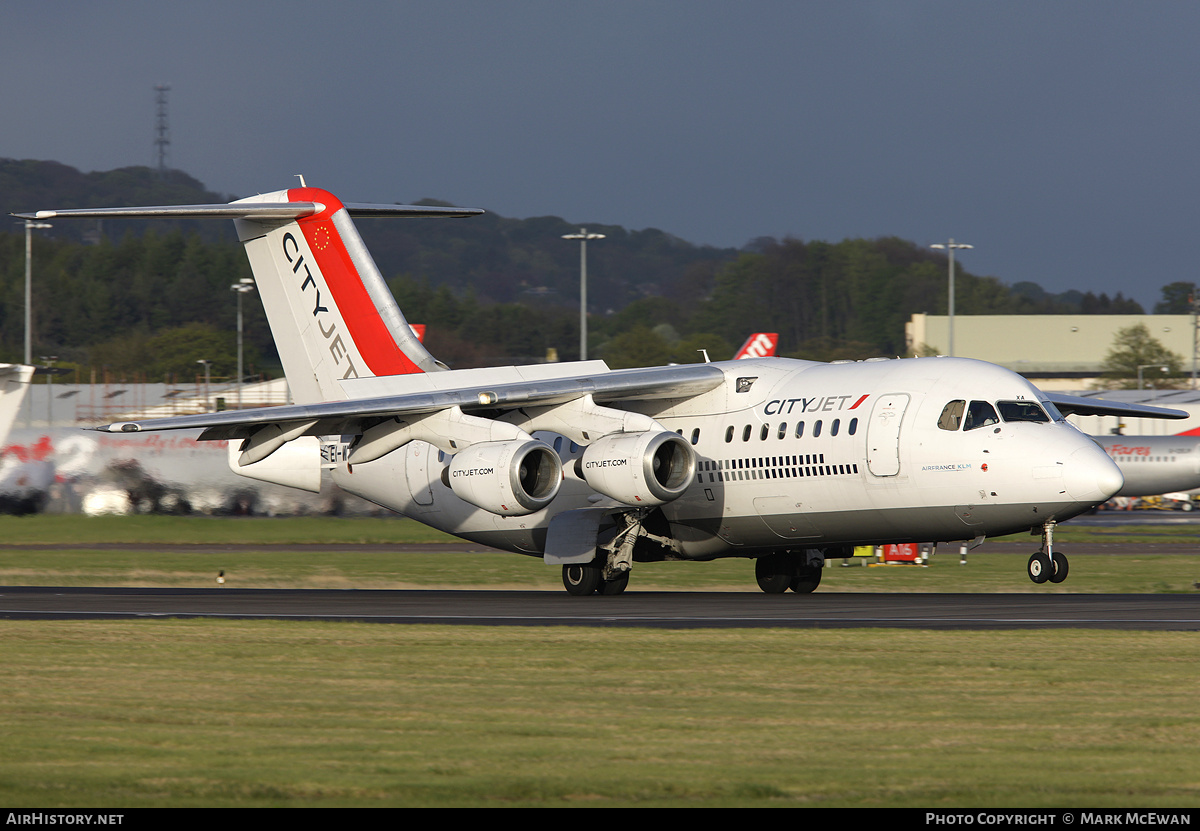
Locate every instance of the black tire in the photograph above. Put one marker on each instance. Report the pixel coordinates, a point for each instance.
(581, 579)
(807, 579)
(1059, 567)
(615, 586)
(1039, 567)
(774, 573)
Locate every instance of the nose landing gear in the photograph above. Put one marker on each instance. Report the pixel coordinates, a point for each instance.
(1046, 563)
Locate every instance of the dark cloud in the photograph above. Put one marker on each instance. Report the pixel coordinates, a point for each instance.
(1058, 138)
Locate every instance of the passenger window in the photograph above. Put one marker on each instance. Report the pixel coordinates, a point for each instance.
(746, 433)
(696, 436)
(729, 433)
(833, 428)
(980, 414)
(817, 428)
(764, 432)
(852, 427)
(1022, 411)
(782, 429)
(799, 429)
(951, 417)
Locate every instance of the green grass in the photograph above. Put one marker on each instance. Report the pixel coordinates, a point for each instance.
(124, 714)
(381, 569)
(267, 553)
(69, 529)
(219, 713)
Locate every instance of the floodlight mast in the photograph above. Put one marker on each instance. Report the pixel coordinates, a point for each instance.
(950, 247)
(242, 286)
(583, 236)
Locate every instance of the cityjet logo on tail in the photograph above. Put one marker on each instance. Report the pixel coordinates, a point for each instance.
(825, 404)
(326, 321)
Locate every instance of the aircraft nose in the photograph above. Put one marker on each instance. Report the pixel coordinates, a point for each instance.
(1091, 476)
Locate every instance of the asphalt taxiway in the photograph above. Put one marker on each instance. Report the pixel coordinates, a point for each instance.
(644, 609)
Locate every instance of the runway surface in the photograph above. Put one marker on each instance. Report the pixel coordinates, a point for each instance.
(645, 609)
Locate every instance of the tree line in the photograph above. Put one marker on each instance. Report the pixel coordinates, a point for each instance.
(150, 300)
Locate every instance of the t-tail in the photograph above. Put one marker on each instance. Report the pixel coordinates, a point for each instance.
(331, 313)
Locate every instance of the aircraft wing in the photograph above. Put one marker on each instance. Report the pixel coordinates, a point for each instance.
(1080, 405)
(338, 417)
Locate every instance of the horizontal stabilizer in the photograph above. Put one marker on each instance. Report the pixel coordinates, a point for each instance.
(1079, 405)
(252, 211)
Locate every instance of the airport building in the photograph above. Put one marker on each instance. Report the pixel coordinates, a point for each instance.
(1056, 352)
(1065, 353)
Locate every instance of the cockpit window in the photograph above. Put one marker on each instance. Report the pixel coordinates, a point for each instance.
(1022, 411)
(980, 414)
(952, 413)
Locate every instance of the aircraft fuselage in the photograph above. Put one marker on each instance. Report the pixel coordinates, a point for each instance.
(794, 454)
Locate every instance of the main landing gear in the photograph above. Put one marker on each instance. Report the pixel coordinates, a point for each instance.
(587, 579)
(1046, 563)
(608, 573)
(799, 571)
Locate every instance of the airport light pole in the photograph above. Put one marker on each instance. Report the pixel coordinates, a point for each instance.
(1164, 368)
(30, 225)
(241, 287)
(950, 248)
(49, 360)
(207, 364)
(583, 236)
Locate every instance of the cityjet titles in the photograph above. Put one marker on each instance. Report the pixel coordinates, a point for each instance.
(337, 347)
(605, 463)
(825, 404)
(472, 471)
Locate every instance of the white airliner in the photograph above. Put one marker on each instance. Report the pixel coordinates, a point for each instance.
(23, 482)
(1151, 465)
(787, 462)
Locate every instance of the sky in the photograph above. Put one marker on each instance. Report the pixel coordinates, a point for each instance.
(1057, 137)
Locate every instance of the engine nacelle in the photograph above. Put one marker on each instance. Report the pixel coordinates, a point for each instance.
(509, 478)
(295, 465)
(639, 468)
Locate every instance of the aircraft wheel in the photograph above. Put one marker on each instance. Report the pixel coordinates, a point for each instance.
(581, 579)
(616, 585)
(1059, 563)
(774, 573)
(806, 580)
(1039, 567)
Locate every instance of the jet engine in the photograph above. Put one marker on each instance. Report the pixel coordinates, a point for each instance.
(509, 478)
(638, 468)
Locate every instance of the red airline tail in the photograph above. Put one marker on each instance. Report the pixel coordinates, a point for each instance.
(331, 313)
(759, 345)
